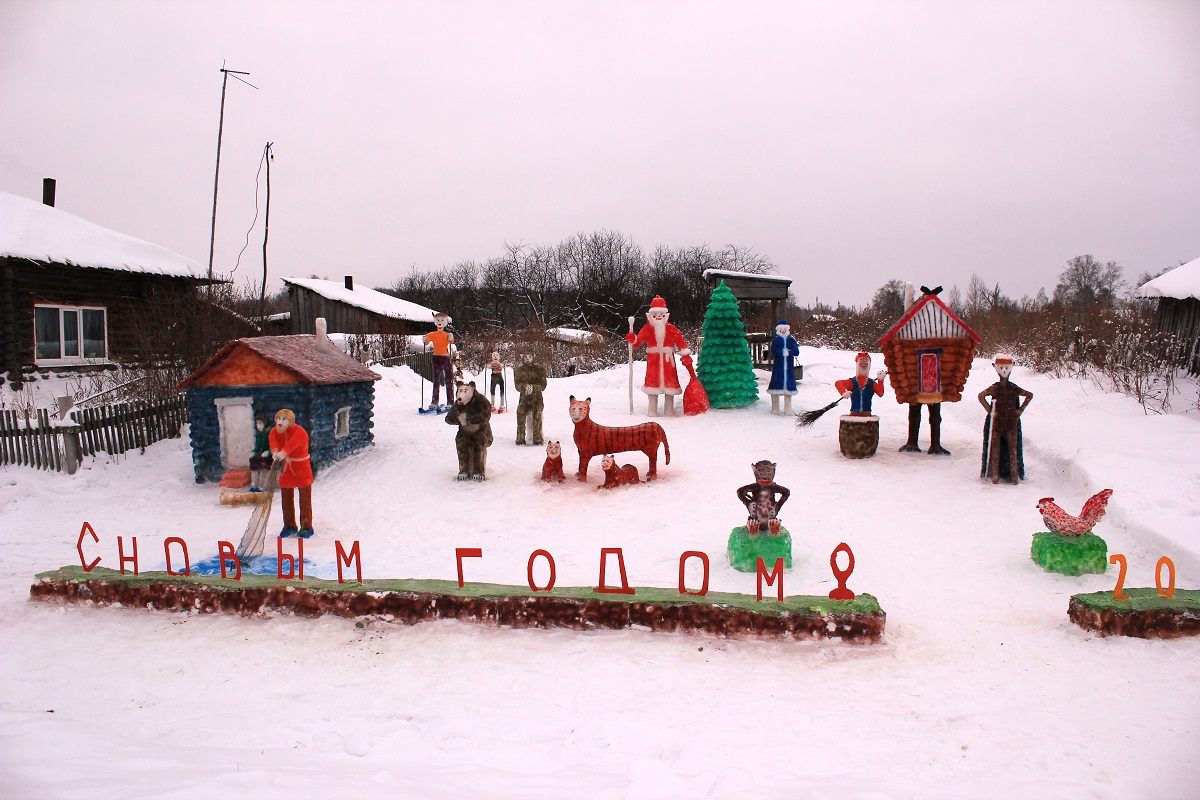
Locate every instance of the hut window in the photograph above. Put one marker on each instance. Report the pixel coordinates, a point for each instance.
(929, 375)
(69, 334)
(341, 423)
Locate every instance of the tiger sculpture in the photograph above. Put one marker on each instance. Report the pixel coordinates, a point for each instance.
(616, 474)
(596, 440)
(552, 469)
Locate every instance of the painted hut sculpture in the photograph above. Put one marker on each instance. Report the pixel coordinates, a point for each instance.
(928, 355)
(1003, 448)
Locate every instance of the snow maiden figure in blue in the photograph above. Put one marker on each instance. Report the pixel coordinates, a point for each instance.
(784, 348)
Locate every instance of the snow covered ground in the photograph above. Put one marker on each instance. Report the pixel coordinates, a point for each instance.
(981, 687)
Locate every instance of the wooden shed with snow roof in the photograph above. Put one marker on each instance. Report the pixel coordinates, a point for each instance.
(347, 308)
(331, 394)
(1178, 294)
(928, 352)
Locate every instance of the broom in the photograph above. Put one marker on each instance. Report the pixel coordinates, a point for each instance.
(807, 418)
(695, 399)
(253, 542)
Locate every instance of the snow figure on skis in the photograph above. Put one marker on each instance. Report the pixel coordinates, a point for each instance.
(496, 370)
(530, 381)
(784, 348)
(661, 339)
(1003, 451)
(260, 456)
(441, 340)
(289, 444)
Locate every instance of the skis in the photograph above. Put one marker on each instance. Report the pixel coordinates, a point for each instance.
(442, 409)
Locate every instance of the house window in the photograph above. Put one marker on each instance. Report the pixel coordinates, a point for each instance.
(69, 334)
(341, 423)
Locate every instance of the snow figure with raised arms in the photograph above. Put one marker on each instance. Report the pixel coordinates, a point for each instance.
(784, 348)
(858, 432)
(661, 339)
(441, 340)
(289, 444)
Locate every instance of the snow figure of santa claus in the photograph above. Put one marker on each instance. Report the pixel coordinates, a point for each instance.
(861, 389)
(784, 348)
(661, 339)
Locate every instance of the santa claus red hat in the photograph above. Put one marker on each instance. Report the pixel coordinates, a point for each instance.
(658, 302)
(867, 356)
(1002, 359)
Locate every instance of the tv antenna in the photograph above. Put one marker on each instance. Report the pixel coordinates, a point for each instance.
(212, 239)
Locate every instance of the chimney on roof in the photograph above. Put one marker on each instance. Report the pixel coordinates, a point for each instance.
(48, 191)
(323, 342)
(908, 296)
(350, 282)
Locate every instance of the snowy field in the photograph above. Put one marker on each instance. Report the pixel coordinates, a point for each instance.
(981, 687)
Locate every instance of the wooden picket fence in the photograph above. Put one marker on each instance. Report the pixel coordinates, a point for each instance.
(43, 442)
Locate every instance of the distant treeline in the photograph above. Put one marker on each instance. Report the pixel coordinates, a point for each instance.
(589, 281)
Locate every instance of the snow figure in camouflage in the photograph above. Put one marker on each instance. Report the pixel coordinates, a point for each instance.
(662, 339)
(1003, 450)
(472, 413)
(260, 456)
(763, 499)
(529, 379)
(784, 348)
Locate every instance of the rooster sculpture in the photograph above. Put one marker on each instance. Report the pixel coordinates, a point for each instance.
(1060, 521)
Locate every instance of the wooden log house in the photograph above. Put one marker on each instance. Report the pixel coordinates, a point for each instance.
(928, 353)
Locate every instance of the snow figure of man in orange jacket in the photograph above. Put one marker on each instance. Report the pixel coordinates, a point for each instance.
(289, 444)
(661, 339)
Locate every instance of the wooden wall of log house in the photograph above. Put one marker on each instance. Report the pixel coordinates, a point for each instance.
(900, 358)
(307, 305)
(123, 295)
(1181, 318)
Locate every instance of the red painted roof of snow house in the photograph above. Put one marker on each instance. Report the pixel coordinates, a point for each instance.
(264, 360)
(925, 321)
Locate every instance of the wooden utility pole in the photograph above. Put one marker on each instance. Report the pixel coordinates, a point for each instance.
(225, 73)
(268, 156)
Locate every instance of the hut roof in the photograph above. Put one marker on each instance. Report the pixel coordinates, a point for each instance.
(297, 355)
(930, 318)
(31, 230)
(366, 299)
(1180, 283)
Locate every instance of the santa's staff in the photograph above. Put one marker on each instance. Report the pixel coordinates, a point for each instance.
(631, 368)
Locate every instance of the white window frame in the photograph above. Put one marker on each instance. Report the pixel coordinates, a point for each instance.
(341, 429)
(62, 360)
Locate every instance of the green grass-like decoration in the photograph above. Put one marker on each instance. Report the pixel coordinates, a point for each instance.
(861, 604)
(744, 550)
(1144, 599)
(1069, 555)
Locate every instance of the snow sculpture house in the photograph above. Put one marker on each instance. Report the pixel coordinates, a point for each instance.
(1178, 293)
(928, 352)
(72, 293)
(331, 394)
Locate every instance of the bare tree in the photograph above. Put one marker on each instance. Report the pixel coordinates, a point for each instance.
(1086, 284)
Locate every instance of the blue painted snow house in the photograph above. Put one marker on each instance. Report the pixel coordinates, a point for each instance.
(332, 395)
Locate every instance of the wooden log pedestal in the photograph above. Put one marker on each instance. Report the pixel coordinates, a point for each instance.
(411, 601)
(858, 436)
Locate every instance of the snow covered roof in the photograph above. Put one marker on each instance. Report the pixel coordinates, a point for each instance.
(297, 354)
(730, 273)
(572, 335)
(31, 230)
(1180, 283)
(930, 318)
(366, 299)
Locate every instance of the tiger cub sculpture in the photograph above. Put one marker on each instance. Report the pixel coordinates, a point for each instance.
(553, 468)
(596, 440)
(617, 475)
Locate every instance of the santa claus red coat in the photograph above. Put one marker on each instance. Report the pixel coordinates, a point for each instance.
(661, 377)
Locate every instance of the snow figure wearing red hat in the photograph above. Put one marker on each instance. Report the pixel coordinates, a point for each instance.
(784, 348)
(661, 339)
(1003, 453)
(862, 388)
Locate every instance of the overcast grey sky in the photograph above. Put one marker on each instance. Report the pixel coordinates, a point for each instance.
(848, 142)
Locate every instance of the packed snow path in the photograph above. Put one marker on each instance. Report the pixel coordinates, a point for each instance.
(981, 687)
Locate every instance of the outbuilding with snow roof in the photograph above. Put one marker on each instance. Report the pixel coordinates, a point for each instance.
(1178, 294)
(347, 308)
(331, 394)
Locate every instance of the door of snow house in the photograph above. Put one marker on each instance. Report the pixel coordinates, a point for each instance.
(929, 376)
(235, 420)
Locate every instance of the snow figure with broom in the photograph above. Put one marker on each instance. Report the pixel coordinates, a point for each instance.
(661, 339)
(1003, 454)
(260, 456)
(289, 444)
(858, 431)
(862, 388)
(784, 348)
(441, 341)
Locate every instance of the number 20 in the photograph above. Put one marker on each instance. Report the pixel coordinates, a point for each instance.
(1118, 590)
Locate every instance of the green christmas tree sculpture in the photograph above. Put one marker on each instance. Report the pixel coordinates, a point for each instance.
(726, 370)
